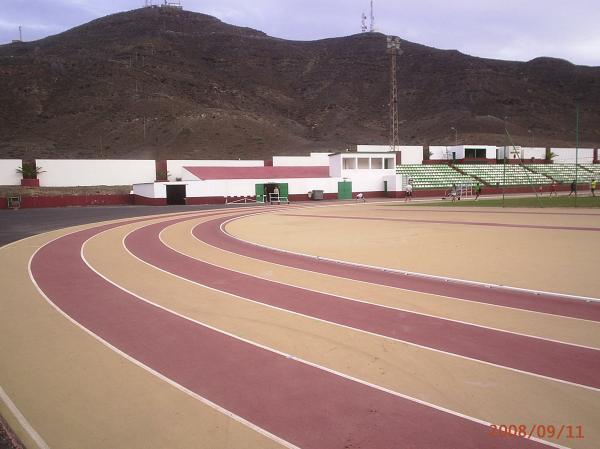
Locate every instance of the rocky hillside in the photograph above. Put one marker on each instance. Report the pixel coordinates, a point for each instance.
(164, 83)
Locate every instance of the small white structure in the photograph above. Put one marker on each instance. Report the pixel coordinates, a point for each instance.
(407, 154)
(461, 152)
(336, 175)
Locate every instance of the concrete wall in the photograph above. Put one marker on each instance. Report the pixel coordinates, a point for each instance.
(533, 152)
(314, 160)
(174, 166)
(443, 152)
(89, 172)
(411, 154)
(8, 172)
(147, 190)
(567, 155)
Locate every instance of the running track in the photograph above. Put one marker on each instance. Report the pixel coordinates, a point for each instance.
(302, 404)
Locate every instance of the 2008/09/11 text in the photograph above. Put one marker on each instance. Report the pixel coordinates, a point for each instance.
(547, 431)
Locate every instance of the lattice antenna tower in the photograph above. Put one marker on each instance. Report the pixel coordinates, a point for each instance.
(372, 23)
(394, 50)
(363, 22)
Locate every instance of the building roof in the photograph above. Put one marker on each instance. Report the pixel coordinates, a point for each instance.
(258, 172)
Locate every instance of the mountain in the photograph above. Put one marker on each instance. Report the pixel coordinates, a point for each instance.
(167, 83)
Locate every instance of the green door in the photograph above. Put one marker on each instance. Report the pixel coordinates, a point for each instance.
(345, 190)
(283, 190)
(259, 189)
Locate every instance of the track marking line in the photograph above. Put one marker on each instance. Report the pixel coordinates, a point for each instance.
(330, 323)
(22, 420)
(275, 351)
(142, 365)
(364, 301)
(415, 274)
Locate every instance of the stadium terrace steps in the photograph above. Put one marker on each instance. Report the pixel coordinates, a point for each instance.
(443, 176)
(433, 176)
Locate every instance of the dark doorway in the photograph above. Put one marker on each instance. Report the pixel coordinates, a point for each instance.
(176, 194)
(269, 188)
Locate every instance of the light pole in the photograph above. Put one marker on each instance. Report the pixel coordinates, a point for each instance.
(455, 135)
(530, 131)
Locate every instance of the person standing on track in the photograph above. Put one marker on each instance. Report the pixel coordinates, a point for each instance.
(593, 187)
(409, 192)
(553, 189)
(573, 188)
(477, 191)
(453, 192)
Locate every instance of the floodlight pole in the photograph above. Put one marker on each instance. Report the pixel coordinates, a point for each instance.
(393, 48)
(455, 135)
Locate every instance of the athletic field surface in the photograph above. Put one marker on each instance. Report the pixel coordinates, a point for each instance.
(336, 326)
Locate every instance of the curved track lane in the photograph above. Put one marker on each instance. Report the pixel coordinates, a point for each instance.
(211, 232)
(298, 402)
(519, 352)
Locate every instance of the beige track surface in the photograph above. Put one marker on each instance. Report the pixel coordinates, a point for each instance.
(78, 393)
(563, 261)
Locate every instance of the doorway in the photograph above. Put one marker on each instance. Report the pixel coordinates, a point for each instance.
(176, 194)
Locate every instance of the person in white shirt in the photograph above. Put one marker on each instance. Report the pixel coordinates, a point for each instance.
(409, 192)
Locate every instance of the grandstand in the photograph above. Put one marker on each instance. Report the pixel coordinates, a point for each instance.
(592, 168)
(437, 176)
(515, 175)
(564, 172)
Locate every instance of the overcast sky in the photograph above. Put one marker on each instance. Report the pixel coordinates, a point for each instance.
(501, 29)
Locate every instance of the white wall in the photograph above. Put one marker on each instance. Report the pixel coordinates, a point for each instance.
(567, 155)
(444, 153)
(174, 166)
(372, 148)
(8, 172)
(90, 172)
(247, 187)
(148, 190)
(314, 160)
(533, 152)
(411, 154)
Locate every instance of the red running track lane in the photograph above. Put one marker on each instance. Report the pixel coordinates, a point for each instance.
(211, 233)
(477, 210)
(307, 406)
(456, 222)
(547, 358)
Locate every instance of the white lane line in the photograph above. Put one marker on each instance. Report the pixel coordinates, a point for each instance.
(412, 273)
(330, 323)
(137, 362)
(365, 301)
(298, 359)
(22, 420)
(357, 329)
(27, 427)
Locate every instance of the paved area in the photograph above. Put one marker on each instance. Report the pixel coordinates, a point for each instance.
(181, 331)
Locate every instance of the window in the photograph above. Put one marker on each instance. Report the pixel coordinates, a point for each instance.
(475, 153)
(363, 163)
(349, 163)
(389, 163)
(376, 163)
